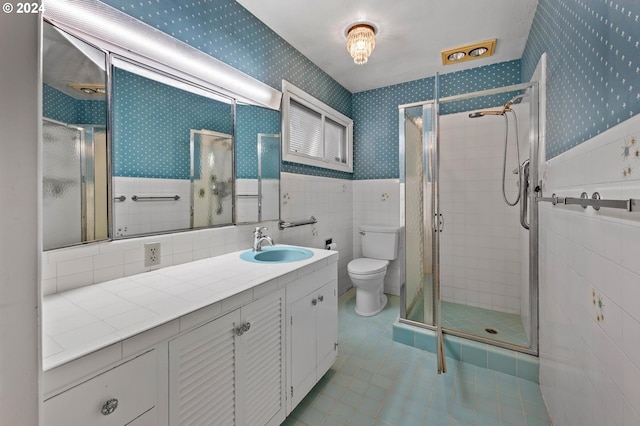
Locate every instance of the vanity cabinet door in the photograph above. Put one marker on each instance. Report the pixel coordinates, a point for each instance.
(262, 348)
(313, 335)
(115, 397)
(202, 374)
(302, 323)
(230, 371)
(326, 327)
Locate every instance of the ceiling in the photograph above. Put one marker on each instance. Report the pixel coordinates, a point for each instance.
(69, 61)
(411, 34)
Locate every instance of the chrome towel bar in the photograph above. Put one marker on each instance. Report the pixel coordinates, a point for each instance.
(630, 204)
(159, 198)
(282, 224)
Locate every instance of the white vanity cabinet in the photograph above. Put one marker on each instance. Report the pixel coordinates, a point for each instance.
(230, 371)
(245, 358)
(312, 337)
(123, 395)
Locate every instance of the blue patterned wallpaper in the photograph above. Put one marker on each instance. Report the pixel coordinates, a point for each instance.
(593, 76)
(271, 157)
(251, 120)
(152, 123)
(61, 107)
(375, 112)
(230, 33)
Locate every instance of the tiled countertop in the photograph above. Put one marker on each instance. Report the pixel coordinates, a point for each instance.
(81, 321)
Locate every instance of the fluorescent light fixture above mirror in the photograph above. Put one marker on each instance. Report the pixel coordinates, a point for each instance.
(119, 33)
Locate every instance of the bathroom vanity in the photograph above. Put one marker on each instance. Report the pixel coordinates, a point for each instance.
(216, 341)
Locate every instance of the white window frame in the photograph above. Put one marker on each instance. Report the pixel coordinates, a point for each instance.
(291, 92)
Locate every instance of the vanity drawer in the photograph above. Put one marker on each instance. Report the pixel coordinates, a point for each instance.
(132, 384)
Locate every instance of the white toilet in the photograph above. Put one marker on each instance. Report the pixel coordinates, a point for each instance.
(379, 246)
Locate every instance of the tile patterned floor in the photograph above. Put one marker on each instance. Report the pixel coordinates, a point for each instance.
(378, 382)
(472, 320)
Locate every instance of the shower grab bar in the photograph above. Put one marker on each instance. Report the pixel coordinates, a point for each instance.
(282, 224)
(630, 204)
(159, 198)
(247, 196)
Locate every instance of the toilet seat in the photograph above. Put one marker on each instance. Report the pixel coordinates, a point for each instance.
(366, 266)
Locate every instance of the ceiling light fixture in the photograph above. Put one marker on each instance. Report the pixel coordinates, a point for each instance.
(478, 51)
(468, 52)
(361, 40)
(89, 88)
(456, 56)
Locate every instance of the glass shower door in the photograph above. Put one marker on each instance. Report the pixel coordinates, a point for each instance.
(211, 178)
(421, 219)
(418, 213)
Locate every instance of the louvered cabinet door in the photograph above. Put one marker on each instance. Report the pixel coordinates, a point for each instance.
(262, 379)
(202, 374)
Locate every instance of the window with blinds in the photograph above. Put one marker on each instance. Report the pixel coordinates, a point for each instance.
(314, 133)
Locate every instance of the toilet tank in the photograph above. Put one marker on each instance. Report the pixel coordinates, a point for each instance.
(379, 241)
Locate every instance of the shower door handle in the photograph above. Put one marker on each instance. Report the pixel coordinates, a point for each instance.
(524, 194)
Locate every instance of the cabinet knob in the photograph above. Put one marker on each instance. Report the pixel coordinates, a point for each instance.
(109, 406)
(321, 298)
(240, 330)
(314, 302)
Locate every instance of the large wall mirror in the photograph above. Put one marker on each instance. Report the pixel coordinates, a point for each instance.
(158, 154)
(74, 118)
(172, 153)
(258, 165)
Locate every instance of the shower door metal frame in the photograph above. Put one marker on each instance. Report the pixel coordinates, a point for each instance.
(534, 156)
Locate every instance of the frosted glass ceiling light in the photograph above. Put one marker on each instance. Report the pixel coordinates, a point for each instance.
(361, 40)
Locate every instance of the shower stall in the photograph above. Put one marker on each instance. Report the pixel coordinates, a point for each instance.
(468, 172)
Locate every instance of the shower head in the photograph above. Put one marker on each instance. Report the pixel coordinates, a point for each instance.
(483, 113)
(518, 99)
(507, 107)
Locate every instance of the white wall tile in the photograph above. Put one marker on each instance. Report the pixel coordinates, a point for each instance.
(583, 253)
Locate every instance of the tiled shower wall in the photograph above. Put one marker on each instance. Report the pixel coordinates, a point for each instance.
(590, 284)
(480, 241)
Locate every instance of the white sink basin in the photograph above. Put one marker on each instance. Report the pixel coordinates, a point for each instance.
(277, 254)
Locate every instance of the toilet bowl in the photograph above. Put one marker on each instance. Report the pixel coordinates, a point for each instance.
(367, 276)
(379, 246)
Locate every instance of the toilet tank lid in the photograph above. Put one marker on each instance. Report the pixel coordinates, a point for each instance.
(379, 228)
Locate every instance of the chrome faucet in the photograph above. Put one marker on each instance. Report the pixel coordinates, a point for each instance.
(258, 239)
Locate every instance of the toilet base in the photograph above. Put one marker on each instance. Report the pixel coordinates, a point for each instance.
(383, 303)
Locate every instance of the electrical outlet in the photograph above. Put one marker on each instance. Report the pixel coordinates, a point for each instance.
(151, 254)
